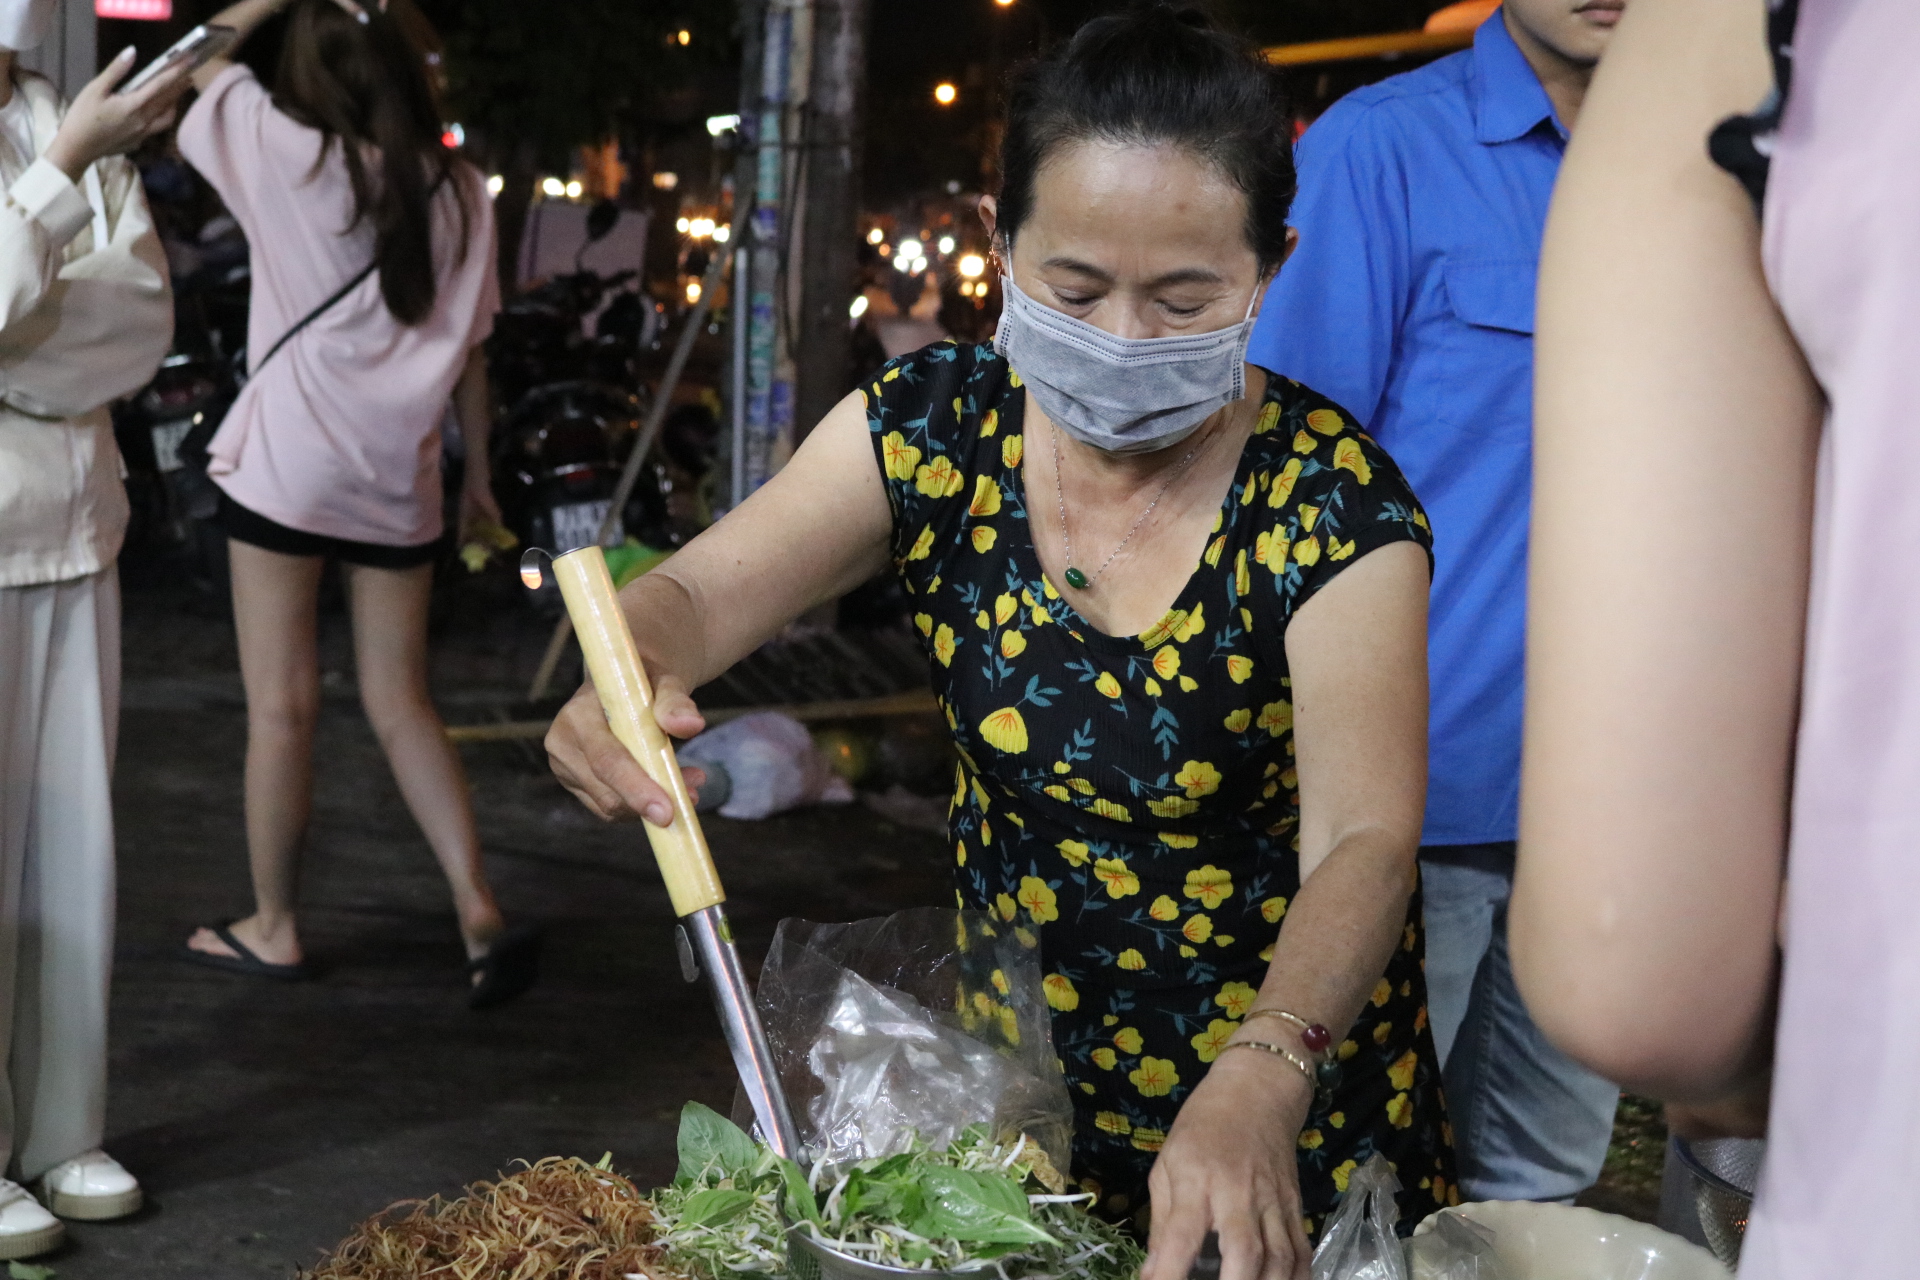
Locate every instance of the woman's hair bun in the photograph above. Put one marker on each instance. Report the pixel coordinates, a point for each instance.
(1162, 73)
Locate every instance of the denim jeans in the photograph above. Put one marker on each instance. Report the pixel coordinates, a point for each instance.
(1529, 1123)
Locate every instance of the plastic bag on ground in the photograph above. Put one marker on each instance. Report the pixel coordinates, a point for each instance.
(1456, 1248)
(1359, 1242)
(763, 764)
(916, 1024)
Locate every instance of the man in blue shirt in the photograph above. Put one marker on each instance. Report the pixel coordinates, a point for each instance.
(1410, 303)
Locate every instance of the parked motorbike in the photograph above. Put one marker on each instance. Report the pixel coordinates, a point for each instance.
(565, 358)
(172, 501)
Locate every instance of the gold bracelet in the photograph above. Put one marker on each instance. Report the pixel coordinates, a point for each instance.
(1279, 1051)
(1315, 1037)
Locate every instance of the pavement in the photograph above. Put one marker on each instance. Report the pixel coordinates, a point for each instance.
(265, 1120)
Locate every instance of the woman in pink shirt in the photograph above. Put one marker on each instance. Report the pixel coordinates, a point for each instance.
(373, 289)
(1721, 815)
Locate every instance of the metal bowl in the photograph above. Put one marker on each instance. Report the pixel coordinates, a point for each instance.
(1723, 1173)
(809, 1259)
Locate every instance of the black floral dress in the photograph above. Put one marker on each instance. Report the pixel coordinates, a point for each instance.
(1128, 803)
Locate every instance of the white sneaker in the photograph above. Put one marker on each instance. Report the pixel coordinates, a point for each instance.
(90, 1188)
(27, 1230)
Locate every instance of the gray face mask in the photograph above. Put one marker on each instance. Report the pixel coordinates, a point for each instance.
(1122, 395)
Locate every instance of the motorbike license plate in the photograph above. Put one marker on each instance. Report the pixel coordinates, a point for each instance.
(166, 443)
(576, 524)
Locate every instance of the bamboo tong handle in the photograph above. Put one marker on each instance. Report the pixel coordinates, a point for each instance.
(619, 677)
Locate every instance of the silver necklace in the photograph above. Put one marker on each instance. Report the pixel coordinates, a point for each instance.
(1076, 579)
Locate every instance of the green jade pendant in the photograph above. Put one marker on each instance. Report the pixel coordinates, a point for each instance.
(1076, 579)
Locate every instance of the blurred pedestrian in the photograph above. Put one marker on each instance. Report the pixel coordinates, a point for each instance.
(1410, 303)
(86, 316)
(374, 287)
(1723, 748)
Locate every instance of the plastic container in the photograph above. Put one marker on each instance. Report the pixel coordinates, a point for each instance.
(1563, 1242)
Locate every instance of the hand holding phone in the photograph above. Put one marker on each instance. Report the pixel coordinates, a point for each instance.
(102, 122)
(193, 50)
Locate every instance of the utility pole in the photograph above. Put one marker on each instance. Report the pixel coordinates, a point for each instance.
(740, 285)
(765, 432)
(829, 241)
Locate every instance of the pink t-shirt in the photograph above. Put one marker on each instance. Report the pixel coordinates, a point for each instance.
(339, 434)
(1840, 1194)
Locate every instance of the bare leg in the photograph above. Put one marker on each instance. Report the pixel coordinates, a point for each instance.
(275, 616)
(390, 647)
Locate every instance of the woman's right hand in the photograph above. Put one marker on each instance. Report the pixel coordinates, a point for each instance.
(102, 123)
(596, 767)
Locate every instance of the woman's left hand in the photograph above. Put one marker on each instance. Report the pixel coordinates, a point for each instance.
(1230, 1167)
(477, 503)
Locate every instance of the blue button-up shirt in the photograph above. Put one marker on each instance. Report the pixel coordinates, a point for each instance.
(1410, 303)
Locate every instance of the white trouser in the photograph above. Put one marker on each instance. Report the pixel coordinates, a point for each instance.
(59, 715)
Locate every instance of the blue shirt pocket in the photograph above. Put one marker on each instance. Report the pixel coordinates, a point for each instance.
(1492, 293)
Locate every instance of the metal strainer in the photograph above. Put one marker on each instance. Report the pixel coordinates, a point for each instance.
(1723, 1173)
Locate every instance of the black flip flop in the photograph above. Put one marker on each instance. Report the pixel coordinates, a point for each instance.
(244, 961)
(511, 965)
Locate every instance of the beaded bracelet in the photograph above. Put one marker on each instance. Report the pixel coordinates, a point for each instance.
(1279, 1051)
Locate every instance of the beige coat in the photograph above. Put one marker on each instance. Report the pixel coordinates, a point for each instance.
(86, 313)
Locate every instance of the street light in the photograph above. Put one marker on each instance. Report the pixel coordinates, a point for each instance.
(946, 244)
(944, 93)
(973, 266)
(875, 236)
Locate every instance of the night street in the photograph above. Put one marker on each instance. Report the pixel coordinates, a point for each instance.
(266, 1119)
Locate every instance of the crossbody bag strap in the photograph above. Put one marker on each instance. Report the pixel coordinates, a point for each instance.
(310, 317)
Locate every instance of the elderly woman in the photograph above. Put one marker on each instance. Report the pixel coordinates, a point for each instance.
(1175, 613)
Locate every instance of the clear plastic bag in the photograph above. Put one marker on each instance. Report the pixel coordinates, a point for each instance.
(1454, 1247)
(762, 764)
(916, 1024)
(1359, 1242)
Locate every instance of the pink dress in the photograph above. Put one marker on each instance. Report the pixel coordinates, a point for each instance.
(1840, 1194)
(339, 435)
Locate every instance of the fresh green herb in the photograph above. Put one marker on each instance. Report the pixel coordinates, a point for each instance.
(28, 1271)
(721, 1216)
(977, 1206)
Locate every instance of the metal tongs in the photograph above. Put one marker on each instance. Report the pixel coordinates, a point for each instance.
(705, 938)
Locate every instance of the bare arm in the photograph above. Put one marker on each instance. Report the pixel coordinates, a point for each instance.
(473, 406)
(243, 18)
(1358, 655)
(815, 531)
(1674, 454)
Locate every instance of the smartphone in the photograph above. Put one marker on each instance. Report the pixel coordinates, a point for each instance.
(197, 47)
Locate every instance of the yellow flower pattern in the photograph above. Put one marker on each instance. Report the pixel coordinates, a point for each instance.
(1154, 1077)
(1142, 787)
(1208, 1044)
(900, 458)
